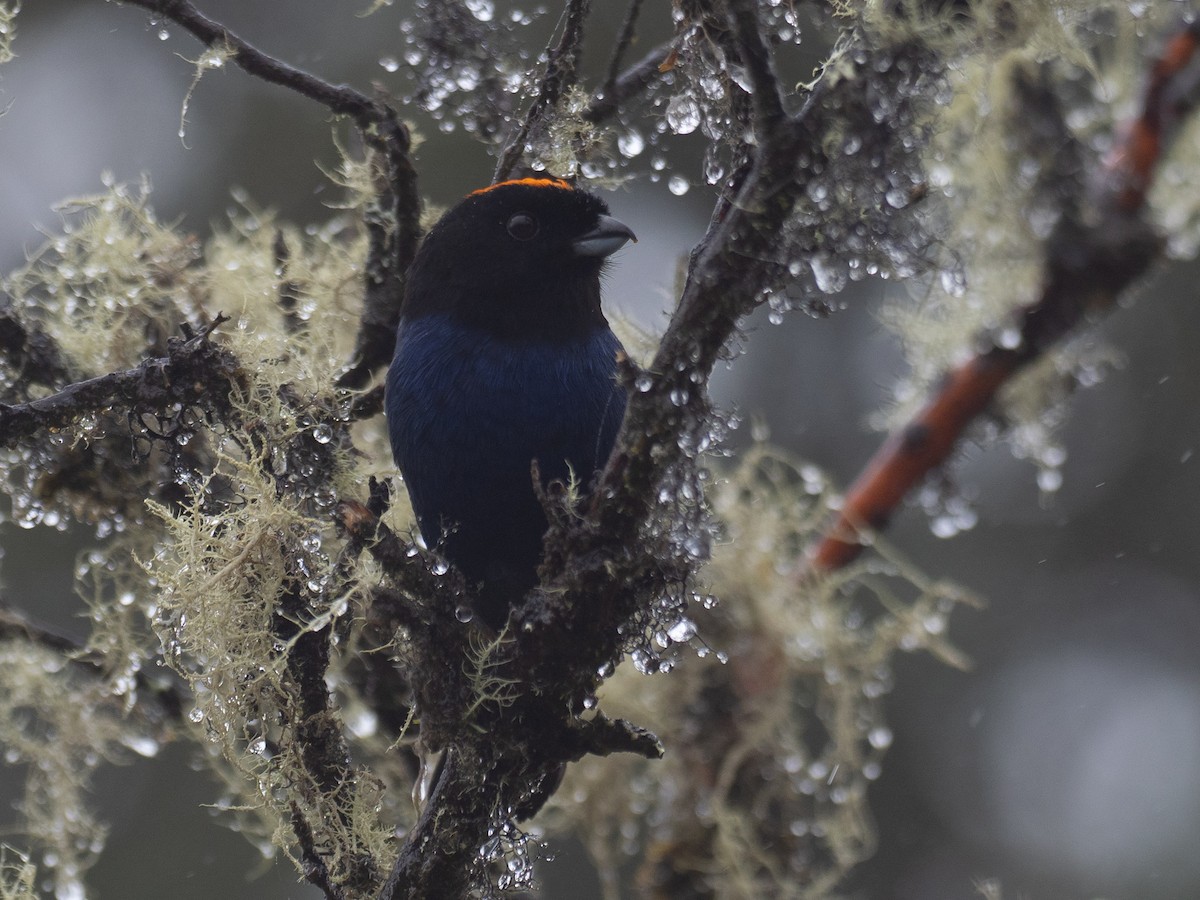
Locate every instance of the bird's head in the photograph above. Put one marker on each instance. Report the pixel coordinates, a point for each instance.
(520, 260)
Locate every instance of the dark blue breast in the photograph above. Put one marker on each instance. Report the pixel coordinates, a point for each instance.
(468, 413)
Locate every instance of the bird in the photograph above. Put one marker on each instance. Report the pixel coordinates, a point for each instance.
(504, 358)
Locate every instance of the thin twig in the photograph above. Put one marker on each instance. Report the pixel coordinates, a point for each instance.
(624, 41)
(562, 63)
(340, 99)
(633, 81)
(758, 62)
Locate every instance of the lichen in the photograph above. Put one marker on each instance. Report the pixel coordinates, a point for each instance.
(59, 723)
(997, 187)
(8, 29)
(775, 723)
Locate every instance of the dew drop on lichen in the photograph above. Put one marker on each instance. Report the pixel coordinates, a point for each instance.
(631, 143)
(683, 114)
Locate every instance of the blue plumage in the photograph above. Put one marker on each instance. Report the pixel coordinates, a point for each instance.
(503, 357)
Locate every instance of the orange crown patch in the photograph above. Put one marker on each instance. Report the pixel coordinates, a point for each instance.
(532, 182)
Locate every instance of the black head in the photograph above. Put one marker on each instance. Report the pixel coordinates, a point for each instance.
(521, 260)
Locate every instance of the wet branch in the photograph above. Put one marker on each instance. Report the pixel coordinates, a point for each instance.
(194, 370)
(633, 81)
(562, 63)
(32, 354)
(594, 576)
(393, 220)
(1090, 260)
(340, 99)
(624, 40)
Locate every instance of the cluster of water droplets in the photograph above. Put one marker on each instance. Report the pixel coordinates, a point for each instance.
(680, 532)
(865, 207)
(467, 66)
(305, 461)
(949, 509)
(507, 858)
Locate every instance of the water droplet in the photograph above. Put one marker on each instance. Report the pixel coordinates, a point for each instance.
(1049, 480)
(631, 143)
(390, 63)
(323, 433)
(880, 737)
(682, 631)
(678, 185)
(683, 114)
(483, 10)
(142, 745)
(1009, 338)
(462, 612)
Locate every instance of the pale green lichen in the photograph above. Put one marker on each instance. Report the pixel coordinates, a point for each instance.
(798, 658)
(114, 284)
(990, 195)
(224, 581)
(18, 875)
(59, 723)
(8, 30)
(214, 57)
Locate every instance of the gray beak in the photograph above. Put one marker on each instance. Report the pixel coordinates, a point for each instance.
(609, 236)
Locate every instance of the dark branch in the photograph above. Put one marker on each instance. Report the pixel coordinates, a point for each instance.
(624, 40)
(341, 99)
(758, 63)
(562, 62)
(193, 371)
(393, 221)
(633, 81)
(602, 736)
(315, 870)
(31, 353)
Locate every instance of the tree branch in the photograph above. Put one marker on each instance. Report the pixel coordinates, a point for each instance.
(633, 81)
(562, 63)
(340, 99)
(194, 370)
(1090, 260)
(758, 62)
(624, 40)
(393, 221)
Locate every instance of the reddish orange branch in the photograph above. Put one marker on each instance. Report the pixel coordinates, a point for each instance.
(1133, 160)
(911, 453)
(1086, 267)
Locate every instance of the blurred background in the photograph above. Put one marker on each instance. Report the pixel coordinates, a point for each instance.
(1066, 763)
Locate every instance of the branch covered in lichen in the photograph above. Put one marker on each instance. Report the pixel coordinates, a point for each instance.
(1102, 244)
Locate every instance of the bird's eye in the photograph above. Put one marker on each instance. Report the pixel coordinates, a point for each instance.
(523, 226)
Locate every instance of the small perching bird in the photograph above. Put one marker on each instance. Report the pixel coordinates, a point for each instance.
(504, 358)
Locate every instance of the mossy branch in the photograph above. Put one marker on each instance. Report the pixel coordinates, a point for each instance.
(1101, 245)
(393, 220)
(195, 370)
